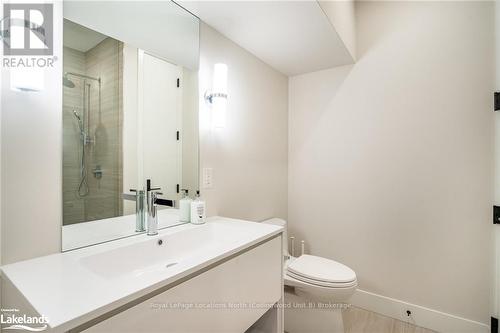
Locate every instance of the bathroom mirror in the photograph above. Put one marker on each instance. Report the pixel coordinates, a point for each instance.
(130, 113)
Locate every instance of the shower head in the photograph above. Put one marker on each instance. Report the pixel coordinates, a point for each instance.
(80, 124)
(67, 82)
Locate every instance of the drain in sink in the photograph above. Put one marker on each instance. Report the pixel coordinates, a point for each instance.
(170, 265)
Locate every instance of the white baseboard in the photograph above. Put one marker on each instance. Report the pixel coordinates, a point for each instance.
(424, 317)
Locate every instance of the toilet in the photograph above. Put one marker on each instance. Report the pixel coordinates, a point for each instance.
(314, 279)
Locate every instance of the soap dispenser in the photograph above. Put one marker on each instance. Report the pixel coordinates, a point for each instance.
(185, 206)
(198, 210)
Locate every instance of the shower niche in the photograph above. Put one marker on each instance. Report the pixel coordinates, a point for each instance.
(130, 113)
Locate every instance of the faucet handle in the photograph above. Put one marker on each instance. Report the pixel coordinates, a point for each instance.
(166, 202)
(149, 188)
(127, 196)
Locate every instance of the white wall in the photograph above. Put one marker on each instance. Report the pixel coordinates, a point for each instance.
(31, 170)
(390, 160)
(249, 156)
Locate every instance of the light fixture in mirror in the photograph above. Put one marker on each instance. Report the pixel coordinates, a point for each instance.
(26, 80)
(217, 98)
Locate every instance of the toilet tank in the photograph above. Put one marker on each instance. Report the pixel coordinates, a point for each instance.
(282, 223)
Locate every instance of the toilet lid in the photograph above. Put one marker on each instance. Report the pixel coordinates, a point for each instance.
(321, 270)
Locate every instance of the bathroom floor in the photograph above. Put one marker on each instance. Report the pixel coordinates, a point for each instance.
(357, 320)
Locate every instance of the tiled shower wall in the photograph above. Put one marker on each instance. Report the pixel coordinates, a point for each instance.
(105, 127)
(73, 206)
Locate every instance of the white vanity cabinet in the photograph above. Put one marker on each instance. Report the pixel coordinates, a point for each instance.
(222, 276)
(228, 297)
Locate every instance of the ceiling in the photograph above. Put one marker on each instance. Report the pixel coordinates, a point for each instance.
(80, 38)
(160, 28)
(294, 37)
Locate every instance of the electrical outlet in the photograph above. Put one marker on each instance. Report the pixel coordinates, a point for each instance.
(208, 178)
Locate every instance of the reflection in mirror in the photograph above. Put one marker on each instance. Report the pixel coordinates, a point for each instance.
(129, 114)
(92, 129)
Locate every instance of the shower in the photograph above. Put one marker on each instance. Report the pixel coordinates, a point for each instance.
(67, 82)
(83, 125)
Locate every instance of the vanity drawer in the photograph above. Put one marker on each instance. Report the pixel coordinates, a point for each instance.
(229, 297)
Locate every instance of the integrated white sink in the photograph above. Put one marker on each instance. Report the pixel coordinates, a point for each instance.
(156, 254)
(72, 288)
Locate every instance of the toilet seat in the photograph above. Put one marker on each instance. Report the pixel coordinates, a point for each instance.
(320, 283)
(315, 292)
(321, 272)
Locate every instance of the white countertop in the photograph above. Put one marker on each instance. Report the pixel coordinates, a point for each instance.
(83, 234)
(63, 288)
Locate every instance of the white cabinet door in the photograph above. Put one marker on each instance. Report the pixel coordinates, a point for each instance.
(229, 297)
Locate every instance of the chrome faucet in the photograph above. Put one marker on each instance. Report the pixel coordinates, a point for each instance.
(152, 213)
(153, 201)
(140, 213)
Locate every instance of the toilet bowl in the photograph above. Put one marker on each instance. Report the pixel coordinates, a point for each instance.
(315, 279)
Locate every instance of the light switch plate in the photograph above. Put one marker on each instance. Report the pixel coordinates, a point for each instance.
(208, 178)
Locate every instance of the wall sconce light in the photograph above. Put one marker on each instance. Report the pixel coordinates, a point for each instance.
(217, 97)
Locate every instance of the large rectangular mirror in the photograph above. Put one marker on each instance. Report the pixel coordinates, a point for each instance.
(130, 113)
